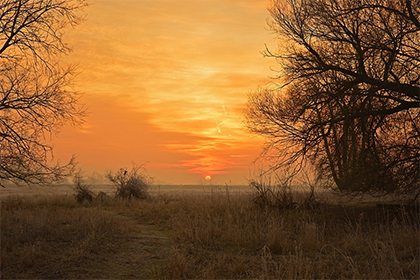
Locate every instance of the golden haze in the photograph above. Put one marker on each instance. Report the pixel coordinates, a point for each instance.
(165, 82)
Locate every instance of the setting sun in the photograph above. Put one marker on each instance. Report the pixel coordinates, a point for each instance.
(167, 85)
(208, 178)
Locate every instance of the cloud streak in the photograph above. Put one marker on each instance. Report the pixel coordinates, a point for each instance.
(184, 68)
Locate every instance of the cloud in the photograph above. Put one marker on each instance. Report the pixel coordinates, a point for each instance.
(166, 82)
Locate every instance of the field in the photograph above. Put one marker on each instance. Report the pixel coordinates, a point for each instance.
(205, 232)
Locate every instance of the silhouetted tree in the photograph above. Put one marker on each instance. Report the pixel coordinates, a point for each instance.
(36, 97)
(349, 98)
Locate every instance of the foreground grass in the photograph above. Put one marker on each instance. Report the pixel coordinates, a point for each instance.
(49, 237)
(213, 235)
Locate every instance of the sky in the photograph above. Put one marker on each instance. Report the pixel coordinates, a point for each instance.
(165, 83)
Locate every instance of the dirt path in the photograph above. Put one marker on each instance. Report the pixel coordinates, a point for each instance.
(142, 249)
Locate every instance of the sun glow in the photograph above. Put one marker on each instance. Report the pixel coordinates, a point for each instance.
(175, 90)
(207, 178)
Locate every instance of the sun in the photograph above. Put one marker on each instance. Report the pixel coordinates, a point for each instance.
(207, 178)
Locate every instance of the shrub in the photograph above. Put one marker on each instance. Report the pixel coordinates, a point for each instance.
(130, 184)
(280, 194)
(277, 195)
(83, 191)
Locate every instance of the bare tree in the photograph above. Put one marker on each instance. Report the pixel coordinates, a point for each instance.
(36, 97)
(349, 98)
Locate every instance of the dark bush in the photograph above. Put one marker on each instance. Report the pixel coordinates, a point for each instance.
(130, 184)
(83, 191)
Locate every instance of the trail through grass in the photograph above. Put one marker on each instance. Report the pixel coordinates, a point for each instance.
(55, 238)
(138, 252)
(217, 235)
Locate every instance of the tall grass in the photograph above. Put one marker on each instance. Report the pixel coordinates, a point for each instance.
(215, 235)
(221, 236)
(49, 237)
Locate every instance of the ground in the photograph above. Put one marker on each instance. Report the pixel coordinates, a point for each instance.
(200, 233)
(137, 254)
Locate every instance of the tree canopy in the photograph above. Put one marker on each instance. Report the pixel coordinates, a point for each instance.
(347, 96)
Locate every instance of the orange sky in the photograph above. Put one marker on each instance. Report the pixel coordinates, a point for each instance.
(165, 82)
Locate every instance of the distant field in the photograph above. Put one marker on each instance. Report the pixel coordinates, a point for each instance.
(109, 189)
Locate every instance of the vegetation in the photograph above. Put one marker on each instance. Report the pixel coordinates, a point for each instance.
(36, 97)
(49, 237)
(280, 196)
(82, 189)
(348, 94)
(215, 234)
(350, 106)
(130, 184)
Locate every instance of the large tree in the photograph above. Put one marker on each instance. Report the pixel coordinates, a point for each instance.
(347, 99)
(36, 97)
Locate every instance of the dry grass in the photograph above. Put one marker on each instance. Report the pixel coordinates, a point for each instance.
(49, 237)
(228, 237)
(214, 235)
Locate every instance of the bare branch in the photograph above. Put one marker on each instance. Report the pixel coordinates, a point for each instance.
(36, 98)
(352, 72)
